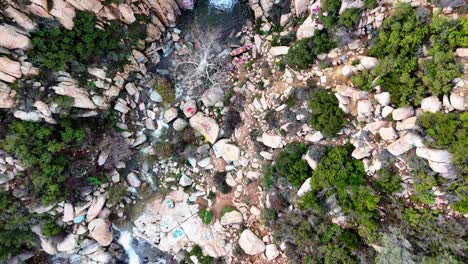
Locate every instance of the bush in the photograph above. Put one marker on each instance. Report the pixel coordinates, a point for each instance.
(41, 148)
(331, 8)
(64, 102)
(363, 80)
(388, 180)
(349, 17)
(15, 222)
(304, 52)
(398, 46)
(220, 182)
(437, 73)
(165, 89)
(326, 115)
(342, 177)
(198, 253)
(290, 165)
(58, 48)
(51, 229)
(441, 127)
(449, 131)
(206, 216)
(116, 193)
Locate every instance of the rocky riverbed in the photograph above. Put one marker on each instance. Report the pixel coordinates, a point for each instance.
(201, 111)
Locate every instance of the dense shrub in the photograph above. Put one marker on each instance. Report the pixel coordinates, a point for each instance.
(57, 48)
(165, 88)
(289, 165)
(198, 253)
(304, 52)
(51, 229)
(338, 175)
(388, 180)
(349, 17)
(42, 150)
(363, 80)
(15, 221)
(398, 46)
(433, 234)
(326, 116)
(449, 131)
(329, 12)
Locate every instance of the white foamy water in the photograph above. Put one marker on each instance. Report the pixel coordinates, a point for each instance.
(125, 240)
(225, 5)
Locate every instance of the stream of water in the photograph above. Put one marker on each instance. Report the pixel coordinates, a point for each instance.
(227, 15)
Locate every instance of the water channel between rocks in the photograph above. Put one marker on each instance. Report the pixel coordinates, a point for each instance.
(228, 16)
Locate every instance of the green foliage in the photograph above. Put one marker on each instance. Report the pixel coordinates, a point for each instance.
(51, 229)
(165, 89)
(363, 80)
(349, 17)
(304, 52)
(330, 8)
(370, 3)
(398, 46)
(116, 193)
(431, 232)
(197, 252)
(227, 209)
(289, 165)
(342, 177)
(388, 180)
(41, 148)
(441, 127)
(326, 115)
(206, 216)
(15, 221)
(64, 102)
(449, 131)
(437, 73)
(58, 48)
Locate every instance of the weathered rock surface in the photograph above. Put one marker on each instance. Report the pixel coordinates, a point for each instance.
(96, 207)
(13, 39)
(272, 141)
(67, 244)
(207, 126)
(101, 231)
(250, 243)
(404, 143)
(230, 218)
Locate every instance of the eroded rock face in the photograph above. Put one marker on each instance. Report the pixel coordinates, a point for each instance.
(81, 97)
(96, 207)
(404, 143)
(230, 218)
(20, 18)
(12, 39)
(101, 231)
(64, 13)
(272, 141)
(67, 244)
(10, 70)
(207, 126)
(250, 243)
(7, 96)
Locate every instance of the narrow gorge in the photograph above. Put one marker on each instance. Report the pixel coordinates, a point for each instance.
(233, 131)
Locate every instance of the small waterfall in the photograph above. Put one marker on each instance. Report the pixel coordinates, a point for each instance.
(223, 5)
(125, 240)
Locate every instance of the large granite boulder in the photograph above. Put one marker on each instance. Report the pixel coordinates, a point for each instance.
(207, 126)
(101, 230)
(250, 243)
